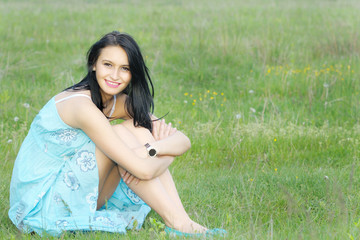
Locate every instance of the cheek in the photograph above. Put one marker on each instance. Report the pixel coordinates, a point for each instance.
(127, 76)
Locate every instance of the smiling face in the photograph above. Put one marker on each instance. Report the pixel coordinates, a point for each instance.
(112, 71)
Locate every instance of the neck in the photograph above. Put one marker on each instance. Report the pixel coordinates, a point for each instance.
(106, 99)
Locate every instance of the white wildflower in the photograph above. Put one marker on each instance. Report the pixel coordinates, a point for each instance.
(26, 105)
(185, 101)
(9, 141)
(251, 91)
(253, 110)
(16, 119)
(326, 85)
(238, 116)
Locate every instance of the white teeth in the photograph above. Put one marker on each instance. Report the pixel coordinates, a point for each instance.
(112, 83)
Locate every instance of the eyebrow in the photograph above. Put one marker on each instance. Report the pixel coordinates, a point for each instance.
(105, 60)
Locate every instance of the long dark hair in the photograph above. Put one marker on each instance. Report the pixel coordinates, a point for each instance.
(139, 103)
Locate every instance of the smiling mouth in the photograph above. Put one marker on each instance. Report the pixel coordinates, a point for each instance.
(112, 84)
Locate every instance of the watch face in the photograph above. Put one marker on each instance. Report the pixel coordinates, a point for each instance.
(152, 152)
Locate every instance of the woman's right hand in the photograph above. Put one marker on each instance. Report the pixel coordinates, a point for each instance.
(128, 177)
(162, 130)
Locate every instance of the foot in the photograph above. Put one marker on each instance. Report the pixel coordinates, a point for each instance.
(189, 227)
(208, 233)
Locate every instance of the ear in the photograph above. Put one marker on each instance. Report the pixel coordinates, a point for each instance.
(94, 68)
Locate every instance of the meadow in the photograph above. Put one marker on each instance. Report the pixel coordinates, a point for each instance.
(267, 91)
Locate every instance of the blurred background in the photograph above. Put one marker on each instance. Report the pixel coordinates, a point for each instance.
(268, 92)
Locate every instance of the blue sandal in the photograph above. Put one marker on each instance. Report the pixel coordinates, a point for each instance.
(208, 233)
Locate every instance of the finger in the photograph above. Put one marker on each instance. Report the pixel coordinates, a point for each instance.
(130, 179)
(122, 172)
(161, 130)
(156, 129)
(167, 130)
(137, 181)
(172, 131)
(126, 177)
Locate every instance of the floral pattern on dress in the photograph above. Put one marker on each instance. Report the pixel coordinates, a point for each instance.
(133, 197)
(91, 199)
(105, 221)
(66, 136)
(61, 223)
(86, 160)
(71, 181)
(57, 198)
(129, 193)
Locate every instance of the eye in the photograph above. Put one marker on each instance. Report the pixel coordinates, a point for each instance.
(126, 69)
(107, 65)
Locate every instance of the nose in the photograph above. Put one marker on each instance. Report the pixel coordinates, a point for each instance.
(115, 75)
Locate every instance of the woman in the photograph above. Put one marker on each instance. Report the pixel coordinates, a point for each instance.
(76, 171)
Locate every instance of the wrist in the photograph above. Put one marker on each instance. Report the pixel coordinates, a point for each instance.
(158, 148)
(151, 150)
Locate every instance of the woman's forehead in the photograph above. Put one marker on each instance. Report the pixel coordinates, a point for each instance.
(115, 54)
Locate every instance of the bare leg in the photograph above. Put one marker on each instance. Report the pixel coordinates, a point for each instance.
(163, 198)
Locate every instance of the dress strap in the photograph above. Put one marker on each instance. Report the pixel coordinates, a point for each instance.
(113, 107)
(71, 96)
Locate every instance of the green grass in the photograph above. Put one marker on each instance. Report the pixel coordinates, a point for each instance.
(268, 92)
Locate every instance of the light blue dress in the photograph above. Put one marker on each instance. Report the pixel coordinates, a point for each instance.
(54, 185)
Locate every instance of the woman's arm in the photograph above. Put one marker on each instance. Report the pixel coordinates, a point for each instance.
(86, 116)
(175, 144)
(169, 141)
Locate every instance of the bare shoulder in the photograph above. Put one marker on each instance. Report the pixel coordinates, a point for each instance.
(72, 105)
(66, 94)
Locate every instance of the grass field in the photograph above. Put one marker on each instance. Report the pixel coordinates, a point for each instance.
(268, 92)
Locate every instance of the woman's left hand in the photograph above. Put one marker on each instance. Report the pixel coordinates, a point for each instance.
(162, 130)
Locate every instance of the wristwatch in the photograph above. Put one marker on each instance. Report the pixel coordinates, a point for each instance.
(151, 150)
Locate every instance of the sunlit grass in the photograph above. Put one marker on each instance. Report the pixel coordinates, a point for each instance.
(267, 91)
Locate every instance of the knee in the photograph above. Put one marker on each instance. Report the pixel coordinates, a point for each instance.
(139, 132)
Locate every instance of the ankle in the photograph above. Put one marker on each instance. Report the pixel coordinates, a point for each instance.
(178, 224)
